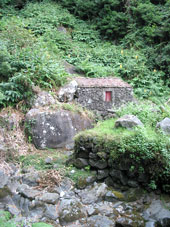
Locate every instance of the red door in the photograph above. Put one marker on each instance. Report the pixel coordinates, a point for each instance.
(108, 96)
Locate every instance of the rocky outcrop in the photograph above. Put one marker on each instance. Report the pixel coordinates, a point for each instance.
(54, 129)
(128, 121)
(67, 93)
(164, 125)
(95, 205)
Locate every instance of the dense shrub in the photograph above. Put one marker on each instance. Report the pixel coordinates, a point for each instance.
(141, 24)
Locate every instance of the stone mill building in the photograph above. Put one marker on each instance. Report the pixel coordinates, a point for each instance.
(102, 94)
(97, 94)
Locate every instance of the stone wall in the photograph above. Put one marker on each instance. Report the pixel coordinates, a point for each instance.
(116, 172)
(94, 98)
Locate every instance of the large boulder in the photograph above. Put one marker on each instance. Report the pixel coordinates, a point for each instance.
(67, 93)
(54, 129)
(164, 125)
(128, 121)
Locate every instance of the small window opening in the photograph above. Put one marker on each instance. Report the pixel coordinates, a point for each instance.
(108, 96)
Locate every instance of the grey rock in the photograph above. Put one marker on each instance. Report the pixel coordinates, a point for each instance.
(125, 222)
(4, 185)
(101, 174)
(104, 208)
(81, 163)
(55, 129)
(100, 164)
(66, 93)
(83, 182)
(62, 29)
(128, 121)
(118, 175)
(31, 178)
(113, 196)
(109, 181)
(71, 69)
(164, 125)
(51, 212)
(47, 197)
(37, 213)
(100, 221)
(151, 224)
(24, 206)
(157, 211)
(4, 178)
(133, 184)
(43, 99)
(13, 210)
(93, 194)
(48, 160)
(28, 192)
(70, 210)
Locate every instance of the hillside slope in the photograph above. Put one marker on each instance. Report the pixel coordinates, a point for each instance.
(36, 41)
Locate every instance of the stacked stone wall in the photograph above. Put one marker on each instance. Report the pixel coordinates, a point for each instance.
(94, 98)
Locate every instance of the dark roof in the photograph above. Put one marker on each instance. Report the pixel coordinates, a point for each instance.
(101, 82)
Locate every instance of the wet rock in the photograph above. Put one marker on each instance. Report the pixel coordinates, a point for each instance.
(55, 129)
(128, 121)
(100, 164)
(164, 125)
(100, 221)
(101, 174)
(51, 212)
(47, 197)
(93, 194)
(81, 163)
(70, 210)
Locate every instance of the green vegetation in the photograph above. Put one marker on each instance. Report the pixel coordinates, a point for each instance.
(59, 160)
(5, 219)
(144, 148)
(33, 47)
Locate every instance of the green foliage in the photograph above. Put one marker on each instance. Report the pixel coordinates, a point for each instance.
(141, 24)
(5, 219)
(33, 46)
(147, 112)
